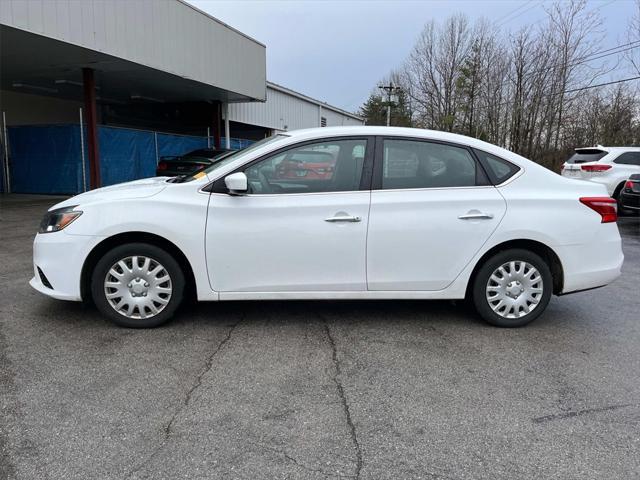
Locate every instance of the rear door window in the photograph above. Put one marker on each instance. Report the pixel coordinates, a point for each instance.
(424, 164)
(629, 158)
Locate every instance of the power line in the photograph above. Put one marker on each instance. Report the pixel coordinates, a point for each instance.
(588, 87)
(591, 57)
(588, 11)
(512, 11)
(520, 14)
(580, 89)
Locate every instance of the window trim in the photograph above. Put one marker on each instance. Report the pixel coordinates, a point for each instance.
(376, 184)
(218, 186)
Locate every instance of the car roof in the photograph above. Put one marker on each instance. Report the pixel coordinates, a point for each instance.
(631, 148)
(418, 133)
(320, 132)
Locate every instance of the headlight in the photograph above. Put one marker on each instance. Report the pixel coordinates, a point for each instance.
(57, 219)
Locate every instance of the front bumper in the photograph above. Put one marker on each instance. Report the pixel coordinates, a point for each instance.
(61, 256)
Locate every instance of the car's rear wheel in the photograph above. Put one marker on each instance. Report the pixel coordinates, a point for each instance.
(137, 285)
(512, 288)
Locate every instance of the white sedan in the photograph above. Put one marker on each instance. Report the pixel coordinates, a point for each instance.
(335, 213)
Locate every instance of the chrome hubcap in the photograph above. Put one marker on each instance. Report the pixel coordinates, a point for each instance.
(514, 289)
(138, 287)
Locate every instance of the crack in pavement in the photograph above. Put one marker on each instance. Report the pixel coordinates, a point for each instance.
(578, 413)
(300, 464)
(343, 399)
(185, 402)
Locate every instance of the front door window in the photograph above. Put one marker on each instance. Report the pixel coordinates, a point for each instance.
(330, 166)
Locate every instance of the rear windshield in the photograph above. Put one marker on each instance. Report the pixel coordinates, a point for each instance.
(585, 155)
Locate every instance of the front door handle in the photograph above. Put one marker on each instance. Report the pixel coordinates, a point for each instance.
(343, 218)
(476, 216)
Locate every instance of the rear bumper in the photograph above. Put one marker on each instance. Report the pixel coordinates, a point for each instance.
(592, 265)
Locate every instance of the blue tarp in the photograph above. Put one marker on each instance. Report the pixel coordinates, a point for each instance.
(170, 145)
(47, 159)
(125, 154)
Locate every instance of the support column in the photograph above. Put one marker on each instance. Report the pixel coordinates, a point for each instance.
(227, 129)
(216, 123)
(90, 116)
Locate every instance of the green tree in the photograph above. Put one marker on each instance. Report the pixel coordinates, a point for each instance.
(374, 111)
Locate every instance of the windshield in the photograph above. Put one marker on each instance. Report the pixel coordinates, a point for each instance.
(228, 157)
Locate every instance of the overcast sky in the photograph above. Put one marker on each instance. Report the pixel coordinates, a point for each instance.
(337, 50)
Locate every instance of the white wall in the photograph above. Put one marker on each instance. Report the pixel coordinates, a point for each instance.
(287, 110)
(26, 109)
(155, 33)
(335, 119)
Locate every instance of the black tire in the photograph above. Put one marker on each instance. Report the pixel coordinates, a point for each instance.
(137, 249)
(483, 275)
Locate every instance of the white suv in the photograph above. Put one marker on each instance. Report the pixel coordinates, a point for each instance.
(610, 166)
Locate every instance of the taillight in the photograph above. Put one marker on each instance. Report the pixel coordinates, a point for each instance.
(628, 185)
(162, 166)
(595, 168)
(607, 207)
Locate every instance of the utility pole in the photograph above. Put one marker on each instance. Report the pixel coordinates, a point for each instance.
(391, 90)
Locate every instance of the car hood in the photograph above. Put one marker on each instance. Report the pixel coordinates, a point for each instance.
(146, 187)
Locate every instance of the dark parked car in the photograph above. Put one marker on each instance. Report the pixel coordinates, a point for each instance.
(190, 162)
(629, 200)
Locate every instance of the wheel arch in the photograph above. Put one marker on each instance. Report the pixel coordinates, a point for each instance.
(618, 189)
(539, 248)
(135, 237)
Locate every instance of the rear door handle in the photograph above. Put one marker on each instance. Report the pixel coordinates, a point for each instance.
(476, 216)
(343, 218)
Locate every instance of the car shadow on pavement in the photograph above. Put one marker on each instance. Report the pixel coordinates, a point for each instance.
(349, 311)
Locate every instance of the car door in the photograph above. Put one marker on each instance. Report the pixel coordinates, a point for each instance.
(626, 164)
(432, 209)
(294, 232)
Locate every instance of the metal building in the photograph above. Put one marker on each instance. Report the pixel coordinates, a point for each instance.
(286, 109)
(159, 66)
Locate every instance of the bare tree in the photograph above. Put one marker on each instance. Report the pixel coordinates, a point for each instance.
(524, 91)
(633, 35)
(432, 71)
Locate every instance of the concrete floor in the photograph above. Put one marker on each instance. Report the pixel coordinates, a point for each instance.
(368, 390)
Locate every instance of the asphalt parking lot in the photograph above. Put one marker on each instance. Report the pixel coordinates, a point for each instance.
(316, 389)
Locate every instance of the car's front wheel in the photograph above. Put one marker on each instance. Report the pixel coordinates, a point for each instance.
(137, 285)
(512, 288)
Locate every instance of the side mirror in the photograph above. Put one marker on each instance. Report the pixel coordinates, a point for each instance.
(236, 183)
